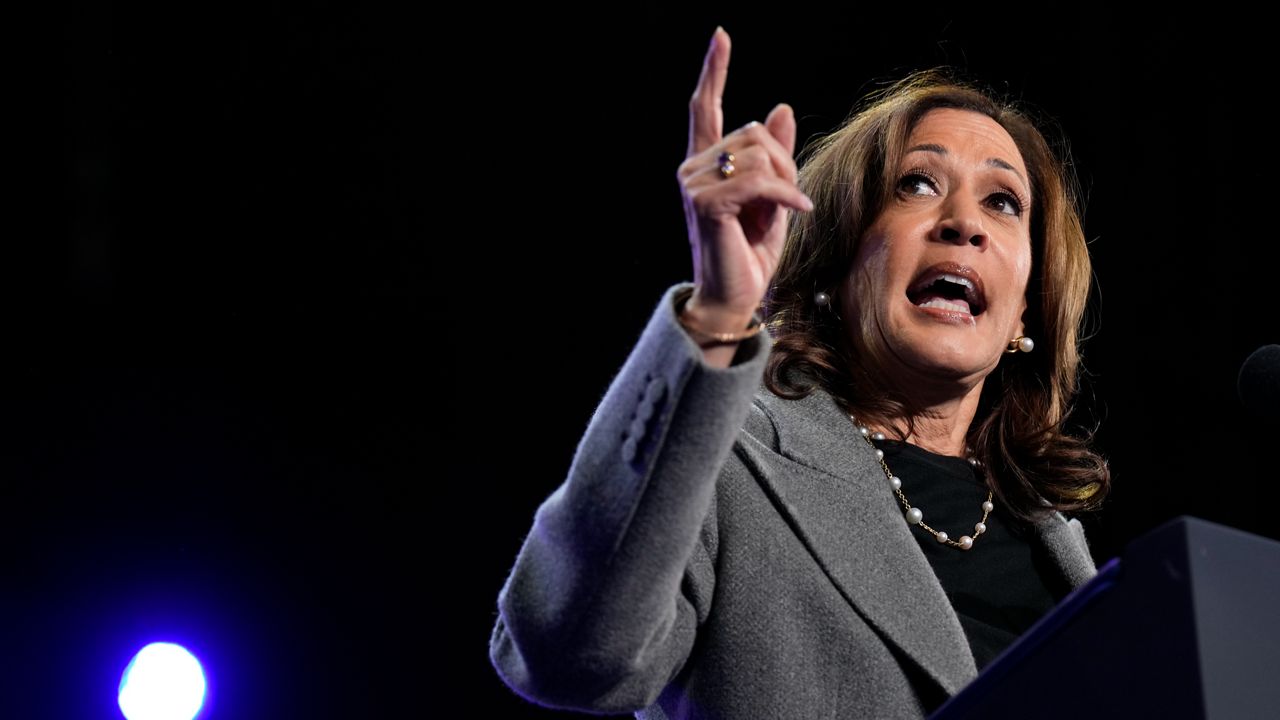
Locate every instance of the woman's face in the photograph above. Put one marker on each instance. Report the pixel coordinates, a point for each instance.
(940, 277)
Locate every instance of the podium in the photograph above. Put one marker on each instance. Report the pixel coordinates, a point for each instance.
(1184, 624)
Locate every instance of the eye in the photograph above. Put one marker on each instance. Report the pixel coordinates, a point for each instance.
(1007, 203)
(917, 182)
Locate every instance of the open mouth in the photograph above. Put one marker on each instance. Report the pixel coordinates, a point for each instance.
(949, 287)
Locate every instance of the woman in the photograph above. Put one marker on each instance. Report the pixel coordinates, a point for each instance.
(859, 535)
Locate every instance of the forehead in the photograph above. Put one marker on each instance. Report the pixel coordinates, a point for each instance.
(967, 134)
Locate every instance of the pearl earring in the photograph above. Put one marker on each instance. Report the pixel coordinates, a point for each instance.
(1022, 342)
(822, 299)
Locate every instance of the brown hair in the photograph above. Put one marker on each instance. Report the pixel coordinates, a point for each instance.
(1019, 432)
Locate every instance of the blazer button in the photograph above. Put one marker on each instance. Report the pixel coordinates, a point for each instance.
(655, 390)
(636, 430)
(652, 396)
(644, 412)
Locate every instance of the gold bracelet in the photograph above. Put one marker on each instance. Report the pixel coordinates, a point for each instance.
(757, 324)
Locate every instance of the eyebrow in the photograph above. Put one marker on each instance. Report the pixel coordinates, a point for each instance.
(993, 162)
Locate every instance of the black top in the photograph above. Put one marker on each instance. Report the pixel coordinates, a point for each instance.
(1000, 587)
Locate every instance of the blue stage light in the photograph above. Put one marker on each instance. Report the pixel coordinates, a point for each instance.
(162, 682)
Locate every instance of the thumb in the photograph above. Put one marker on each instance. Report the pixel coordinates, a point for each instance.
(781, 123)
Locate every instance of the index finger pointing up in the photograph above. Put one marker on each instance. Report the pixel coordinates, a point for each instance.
(706, 118)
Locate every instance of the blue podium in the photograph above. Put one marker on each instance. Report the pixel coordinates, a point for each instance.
(1184, 624)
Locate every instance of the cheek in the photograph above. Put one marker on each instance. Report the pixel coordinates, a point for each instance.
(1020, 271)
(1022, 264)
(865, 296)
(871, 266)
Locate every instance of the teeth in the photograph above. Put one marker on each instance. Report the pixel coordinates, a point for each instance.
(958, 280)
(944, 305)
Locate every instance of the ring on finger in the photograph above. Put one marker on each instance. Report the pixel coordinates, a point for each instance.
(727, 167)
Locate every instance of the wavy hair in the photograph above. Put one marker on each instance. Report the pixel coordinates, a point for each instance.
(1019, 431)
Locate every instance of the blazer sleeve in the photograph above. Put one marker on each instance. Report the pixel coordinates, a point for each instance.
(601, 609)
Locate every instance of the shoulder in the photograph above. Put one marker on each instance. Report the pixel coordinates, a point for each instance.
(777, 422)
(761, 425)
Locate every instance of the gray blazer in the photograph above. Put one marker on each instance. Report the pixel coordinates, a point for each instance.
(719, 552)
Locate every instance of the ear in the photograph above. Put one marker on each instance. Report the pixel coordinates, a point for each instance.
(1021, 325)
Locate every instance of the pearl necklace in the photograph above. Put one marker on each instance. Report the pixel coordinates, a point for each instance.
(914, 515)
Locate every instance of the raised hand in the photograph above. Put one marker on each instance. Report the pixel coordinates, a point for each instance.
(737, 191)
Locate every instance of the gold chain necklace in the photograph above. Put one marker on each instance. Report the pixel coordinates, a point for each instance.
(914, 515)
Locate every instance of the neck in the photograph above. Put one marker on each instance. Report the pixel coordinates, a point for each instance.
(941, 422)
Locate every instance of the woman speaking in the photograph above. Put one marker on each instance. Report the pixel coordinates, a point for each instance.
(829, 480)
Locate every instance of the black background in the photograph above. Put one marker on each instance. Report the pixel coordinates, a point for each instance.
(316, 302)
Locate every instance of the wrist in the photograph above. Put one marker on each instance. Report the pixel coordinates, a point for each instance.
(714, 324)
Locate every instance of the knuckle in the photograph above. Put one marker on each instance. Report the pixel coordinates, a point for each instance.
(759, 154)
(756, 159)
(766, 185)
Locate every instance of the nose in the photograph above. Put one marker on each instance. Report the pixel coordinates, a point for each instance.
(961, 223)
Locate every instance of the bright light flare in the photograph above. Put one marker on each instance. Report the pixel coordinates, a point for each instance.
(162, 682)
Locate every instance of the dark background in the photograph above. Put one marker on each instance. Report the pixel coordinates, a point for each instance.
(315, 303)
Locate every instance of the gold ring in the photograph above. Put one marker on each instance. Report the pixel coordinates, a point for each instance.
(726, 164)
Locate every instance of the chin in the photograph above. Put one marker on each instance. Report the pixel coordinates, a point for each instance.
(949, 368)
(942, 355)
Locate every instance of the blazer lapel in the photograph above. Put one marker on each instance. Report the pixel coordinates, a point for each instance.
(839, 502)
(1065, 543)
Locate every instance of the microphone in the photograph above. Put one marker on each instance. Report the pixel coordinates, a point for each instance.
(1259, 383)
